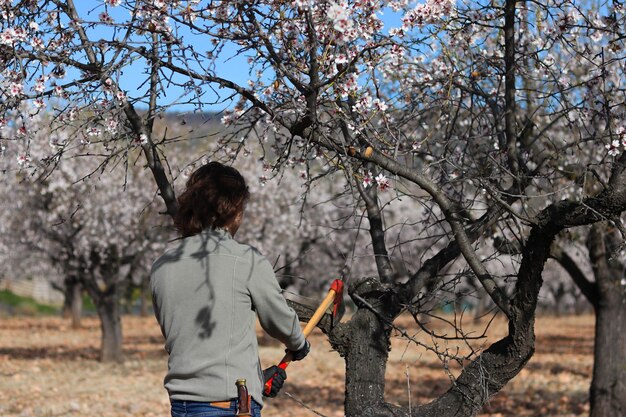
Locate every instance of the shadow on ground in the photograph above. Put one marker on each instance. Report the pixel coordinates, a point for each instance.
(65, 353)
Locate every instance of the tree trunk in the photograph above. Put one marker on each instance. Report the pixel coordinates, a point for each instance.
(72, 301)
(66, 312)
(111, 326)
(366, 362)
(608, 385)
(558, 294)
(76, 306)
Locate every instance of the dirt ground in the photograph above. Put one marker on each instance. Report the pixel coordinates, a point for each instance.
(48, 369)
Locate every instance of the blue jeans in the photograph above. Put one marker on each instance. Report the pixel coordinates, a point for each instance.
(202, 409)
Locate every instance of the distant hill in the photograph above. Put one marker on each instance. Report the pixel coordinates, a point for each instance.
(192, 118)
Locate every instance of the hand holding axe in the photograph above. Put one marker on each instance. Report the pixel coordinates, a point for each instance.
(334, 297)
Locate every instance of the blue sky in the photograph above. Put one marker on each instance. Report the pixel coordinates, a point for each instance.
(236, 68)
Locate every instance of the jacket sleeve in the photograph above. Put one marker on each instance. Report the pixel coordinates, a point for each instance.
(278, 319)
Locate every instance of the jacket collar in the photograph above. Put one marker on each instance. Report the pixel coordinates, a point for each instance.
(220, 233)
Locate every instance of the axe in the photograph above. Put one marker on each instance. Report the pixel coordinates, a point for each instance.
(334, 297)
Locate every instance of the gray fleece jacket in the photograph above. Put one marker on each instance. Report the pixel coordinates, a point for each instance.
(207, 291)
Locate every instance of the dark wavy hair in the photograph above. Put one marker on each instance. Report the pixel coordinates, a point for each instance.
(214, 197)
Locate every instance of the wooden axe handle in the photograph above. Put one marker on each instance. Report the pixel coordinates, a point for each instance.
(319, 313)
(315, 319)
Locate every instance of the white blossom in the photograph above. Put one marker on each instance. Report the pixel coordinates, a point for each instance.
(23, 160)
(382, 181)
(16, 89)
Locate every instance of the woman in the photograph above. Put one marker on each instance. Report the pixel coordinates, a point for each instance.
(207, 291)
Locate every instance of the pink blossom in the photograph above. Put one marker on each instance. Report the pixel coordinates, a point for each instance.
(73, 113)
(7, 14)
(383, 182)
(105, 18)
(7, 37)
(380, 105)
(341, 59)
(367, 179)
(113, 3)
(108, 85)
(111, 125)
(349, 85)
(37, 43)
(433, 11)
(397, 51)
(60, 91)
(23, 160)
(228, 118)
(399, 32)
(613, 147)
(597, 36)
(20, 34)
(364, 102)
(15, 89)
(39, 87)
(39, 103)
(304, 4)
(121, 96)
(339, 15)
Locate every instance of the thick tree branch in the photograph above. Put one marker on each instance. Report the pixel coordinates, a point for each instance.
(509, 87)
(586, 287)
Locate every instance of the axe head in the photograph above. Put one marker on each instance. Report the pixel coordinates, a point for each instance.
(339, 307)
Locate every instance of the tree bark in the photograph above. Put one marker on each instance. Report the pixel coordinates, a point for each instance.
(76, 306)
(67, 298)
(608, 384)
(366, 362)
(108, 309)
(73, 301)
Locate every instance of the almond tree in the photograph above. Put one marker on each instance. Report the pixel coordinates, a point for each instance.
(483, 115)
(607, 294)
(92, 221)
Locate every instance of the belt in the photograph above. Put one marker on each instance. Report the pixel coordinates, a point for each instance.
(221, 404)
